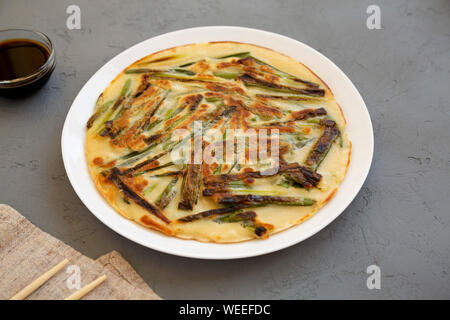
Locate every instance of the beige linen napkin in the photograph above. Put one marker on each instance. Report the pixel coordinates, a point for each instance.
(26, 252)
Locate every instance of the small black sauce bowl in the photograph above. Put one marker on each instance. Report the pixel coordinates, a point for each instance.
(31, 82)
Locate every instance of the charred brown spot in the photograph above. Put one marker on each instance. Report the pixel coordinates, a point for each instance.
(214, 166)
(287, 98)
(193, 101)
(139, 186)
(129, 193)
(207, 192)
(323, 144)
(153, 138)
(265, 68)
(92, 119)
(238, 90)
(246, 61)
(98, 161)
(249, 181)
(308, 113)
(142, 87)
(211, 94)
(260, 231)
(248, 199)
(253, 80)
(265, 110)
(231, 63)
(246, 215)
(191, 186)
(302, 175)
(150, 223)
(168, 79)
(210, 213)
(217, 87)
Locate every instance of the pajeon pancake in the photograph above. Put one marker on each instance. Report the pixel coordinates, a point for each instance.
(219, 87)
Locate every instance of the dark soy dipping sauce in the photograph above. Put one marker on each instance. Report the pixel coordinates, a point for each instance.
(21, 57)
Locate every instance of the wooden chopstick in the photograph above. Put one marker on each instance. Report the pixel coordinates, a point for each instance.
(86, 289)
(29, 289)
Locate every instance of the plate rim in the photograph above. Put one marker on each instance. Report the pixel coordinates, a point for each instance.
(363, 173)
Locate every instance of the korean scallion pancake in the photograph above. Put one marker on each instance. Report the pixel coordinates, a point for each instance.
(224, 86)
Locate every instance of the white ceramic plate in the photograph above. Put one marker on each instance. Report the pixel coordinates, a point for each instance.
(359, 130)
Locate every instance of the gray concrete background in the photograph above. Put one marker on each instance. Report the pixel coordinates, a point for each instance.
(400, 219)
